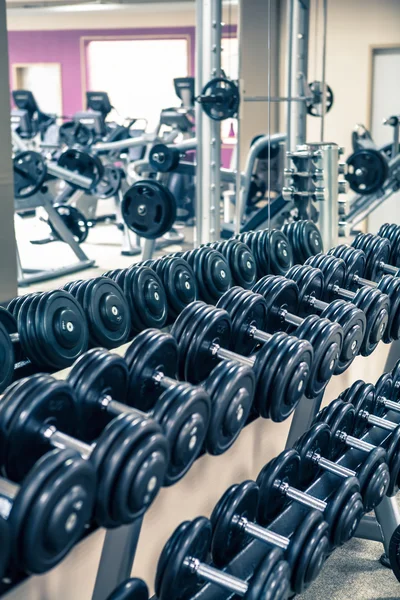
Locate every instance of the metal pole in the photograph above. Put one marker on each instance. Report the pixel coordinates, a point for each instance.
(325, 32)
(328, 208)
(291, 146)
(208, 63)
(238, 186)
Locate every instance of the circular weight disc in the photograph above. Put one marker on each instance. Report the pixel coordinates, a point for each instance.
(391, 287)
(163, 158)
(374, 478)
(271, 579)
(220, 99)
(282, 469)
(132, 589)
(228, 536)
(177, 580)
(179, 282)
(231, 388)
(279, 252)
(212, 273)
(241, 262)
(149, 208)
(310, 283)
(29, 173)
(147, 298)
(367, 170)
(314, 105)
(74, 220)
(314, 442)
(151, 355)
(83, 163)
(392, 446)
(308, 549)
(7, 359)
(51, 510)
(344, 511)
(110, 183)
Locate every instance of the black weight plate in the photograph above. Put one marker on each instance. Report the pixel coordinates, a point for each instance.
(163, 158)
(176, 580)
(151, 354)
(240, 501)
(355, 260)
(73, 219)
(282, 469)
(314, 105)
(73, 133)
(310, 283)
(132, 589)
(344, 511)
(271, 579)
(396, 382)
(362, 396)
(212, 273)
(335, 273)
(131, 458)
(179, 283)
(374, 478)
(383, 391)
(146, 297)
(392, 233)
(220, 98)
(392, 447)
(27, 331)
(241, 262)
(231, 389)
(149, 208)
(376, 307)
(108, 313)
(184, 415)
(307, 551)
(181, 330)
(7, 359)
(314, 442)
(394, 552)
(94, 376)
(29, 173)
(377, 252)
(279, 252)
(342, 419)
(51, 510)
(391, 287)
(61, 328)
(109, 184)
(367, 170)
(50, 401)
(83, 163)
(280, 294)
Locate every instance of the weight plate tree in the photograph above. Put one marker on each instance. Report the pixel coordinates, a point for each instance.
(129, 456)
(326, 338)
(204, 335)
(101, 382)
(149, 208)
(182, 567)
(234, 522)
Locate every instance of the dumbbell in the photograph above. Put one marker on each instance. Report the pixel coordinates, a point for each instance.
(310, 283)
(145, 294)
(279, 486)
(181, 568)
(392, 233)
(314, 450)
(179, 282)
(248, 312)
(378, 251)
(211, 270)
(50, 331)
(107, 385)
(240, 259)
(304, 238)
(234, 525)
(326, 338)
(106, 310)
(340, 416)
(204, 335)
(356, 264)
(130, 456)
(271, 250)
(132, 589)
(372, 302)
(48, 511)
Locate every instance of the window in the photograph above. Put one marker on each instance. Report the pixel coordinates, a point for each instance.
(44, 81)
(138, 74)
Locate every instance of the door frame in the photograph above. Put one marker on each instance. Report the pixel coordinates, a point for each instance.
(374, 49)
(25, 65)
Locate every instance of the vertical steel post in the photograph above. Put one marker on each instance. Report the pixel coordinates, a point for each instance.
(329, 208)
(208, 132)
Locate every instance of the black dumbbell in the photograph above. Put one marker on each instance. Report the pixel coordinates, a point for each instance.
(304, 238)
(203, 334)
(378, 251)
(132, 589)
(145, 294)
(106, 310)
(248, 315)
(181, 568)
(391, 232)
(130, 456)
(106, 386)
(234, 524)
(179, 282)
(340, 416)
(326, 338)
(48, 512)
(356, 264)
(372, 474)
(375, 305)
(278, 482)
(271, 250)
(49, 331)
(395, 395)
(211, 270)
(241, 261)
(310, 283)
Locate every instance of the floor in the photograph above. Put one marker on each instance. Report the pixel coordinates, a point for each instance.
(352, 572)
